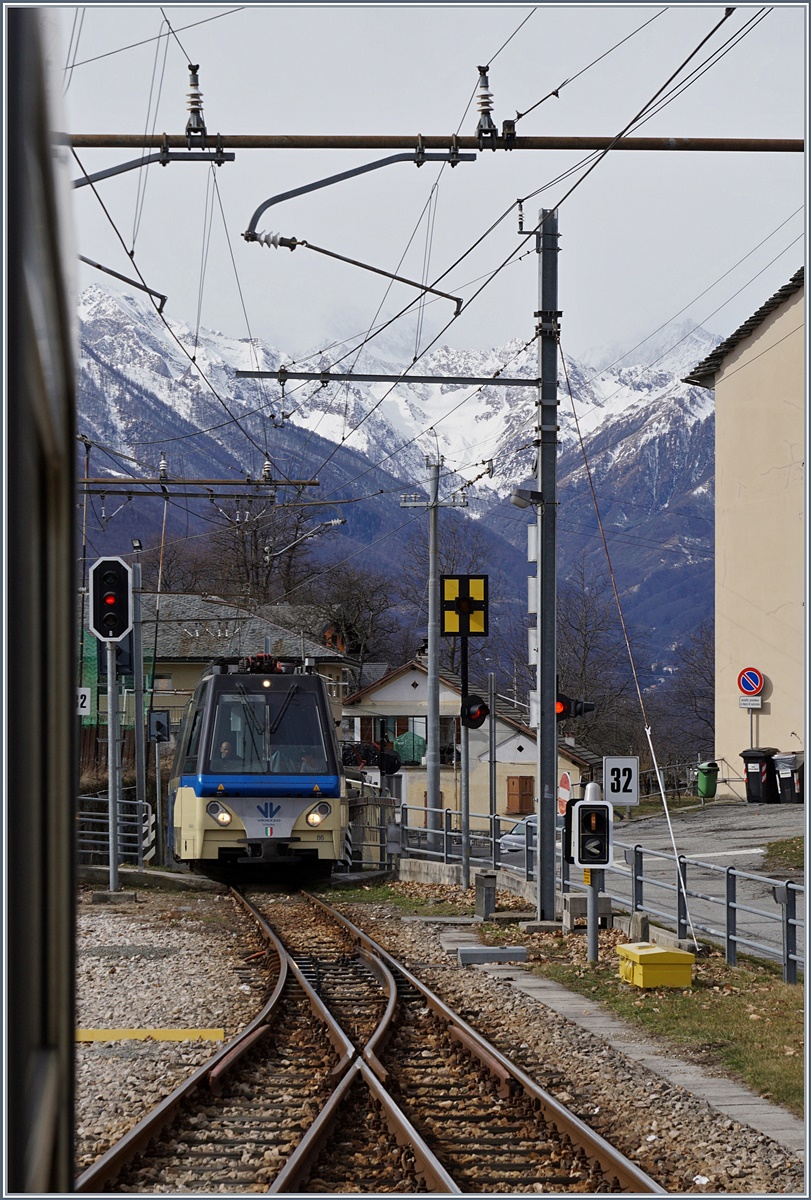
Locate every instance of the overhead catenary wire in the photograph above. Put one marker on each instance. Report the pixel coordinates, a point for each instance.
(73, 45)
(537, 229)
(236, 420)
(556, 91)
(146, 41)
(143, 173)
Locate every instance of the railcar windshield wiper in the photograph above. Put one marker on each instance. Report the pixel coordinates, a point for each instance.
(291, 691)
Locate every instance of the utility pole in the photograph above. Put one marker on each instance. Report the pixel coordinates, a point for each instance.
(546, 443)
(433, 817)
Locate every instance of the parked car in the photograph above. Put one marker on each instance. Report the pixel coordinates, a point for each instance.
(516, 839)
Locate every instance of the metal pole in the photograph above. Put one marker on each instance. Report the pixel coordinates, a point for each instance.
(465, 777)
(112, 763)
(358, 141)
(547, 443)
(491, 703)
(433, 815)
(138, 673)
(592, 915)
(158, 807)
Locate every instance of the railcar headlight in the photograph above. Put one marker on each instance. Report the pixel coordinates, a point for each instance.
(220, 814)
(319, 813)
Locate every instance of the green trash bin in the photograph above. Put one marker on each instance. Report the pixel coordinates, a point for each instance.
(707, 779)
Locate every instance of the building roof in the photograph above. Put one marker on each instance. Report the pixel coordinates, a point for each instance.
(194, 628)
(703, 375)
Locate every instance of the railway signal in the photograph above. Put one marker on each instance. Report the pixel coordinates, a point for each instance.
(591, 833)
(566, 707)
(474, 712)
(110, 599)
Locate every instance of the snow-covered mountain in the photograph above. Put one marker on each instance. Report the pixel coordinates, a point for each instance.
(149, 387)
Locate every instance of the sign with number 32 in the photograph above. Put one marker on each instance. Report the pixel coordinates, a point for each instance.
(621, 780)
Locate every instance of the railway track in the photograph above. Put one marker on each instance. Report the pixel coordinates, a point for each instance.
(356, 1077)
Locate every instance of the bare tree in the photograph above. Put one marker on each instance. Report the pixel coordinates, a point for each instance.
(689, 697)
(360, 603)
(593, 663)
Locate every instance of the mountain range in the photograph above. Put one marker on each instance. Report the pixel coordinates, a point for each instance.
(153, 389)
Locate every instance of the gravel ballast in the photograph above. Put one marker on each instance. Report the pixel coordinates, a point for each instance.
(179, 960)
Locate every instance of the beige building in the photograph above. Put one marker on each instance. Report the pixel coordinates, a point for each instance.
(758, 374)
(400, 698)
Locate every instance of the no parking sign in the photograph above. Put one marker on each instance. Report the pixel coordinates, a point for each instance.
(750, 681)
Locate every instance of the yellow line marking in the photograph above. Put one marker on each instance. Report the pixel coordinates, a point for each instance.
(158, 1035)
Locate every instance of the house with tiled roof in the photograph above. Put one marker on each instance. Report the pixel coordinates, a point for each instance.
(183, 632)
(398, 704)
(761, 412)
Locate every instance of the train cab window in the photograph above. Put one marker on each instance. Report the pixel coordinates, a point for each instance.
(194, 731)
(275, 732)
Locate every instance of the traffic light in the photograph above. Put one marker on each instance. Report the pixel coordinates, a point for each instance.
(110, 599)
(474, 711)
(566, 707)
(591, 833)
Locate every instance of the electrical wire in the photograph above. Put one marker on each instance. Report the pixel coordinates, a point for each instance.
(146, 41)
(174, 35)
(73, 46)
(143, 172)
(162, 317)
(556, 92)
(632, 662)
(599, 158)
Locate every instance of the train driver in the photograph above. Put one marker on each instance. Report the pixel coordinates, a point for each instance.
(226, 759)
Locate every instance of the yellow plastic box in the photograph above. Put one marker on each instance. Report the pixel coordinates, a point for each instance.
(649, 966)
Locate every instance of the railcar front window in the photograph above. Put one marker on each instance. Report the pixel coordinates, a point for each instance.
(268, 733)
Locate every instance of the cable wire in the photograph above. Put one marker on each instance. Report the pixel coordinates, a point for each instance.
(610, 565)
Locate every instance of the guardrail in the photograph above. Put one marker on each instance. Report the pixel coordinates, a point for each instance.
(726, 900)
(739, 897)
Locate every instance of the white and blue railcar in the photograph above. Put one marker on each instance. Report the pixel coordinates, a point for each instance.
(257, 780)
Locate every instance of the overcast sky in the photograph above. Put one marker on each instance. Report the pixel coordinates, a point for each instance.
(641, 237)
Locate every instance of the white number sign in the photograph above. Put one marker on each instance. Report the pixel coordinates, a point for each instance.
(621, 780)
(83, 702)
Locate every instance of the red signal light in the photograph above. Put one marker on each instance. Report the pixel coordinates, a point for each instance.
(474, 711)
(110, 598)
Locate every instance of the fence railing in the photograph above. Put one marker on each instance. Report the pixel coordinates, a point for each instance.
(136, 831)
(724, 903)
(716, 909)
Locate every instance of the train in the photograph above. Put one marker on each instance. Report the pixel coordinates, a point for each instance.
(41, 348)
(258, 786)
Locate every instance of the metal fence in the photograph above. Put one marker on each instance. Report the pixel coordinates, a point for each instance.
(136, 831)
(371, 843)
(724, 903)
(739, 910)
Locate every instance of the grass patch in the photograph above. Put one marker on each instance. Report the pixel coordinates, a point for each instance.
(413, 899)
(785, 855)
(742, 1019)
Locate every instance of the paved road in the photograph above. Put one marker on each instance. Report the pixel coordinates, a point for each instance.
(727, 834)
(720, 836)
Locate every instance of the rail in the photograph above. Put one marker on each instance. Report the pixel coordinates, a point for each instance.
(738, 914)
